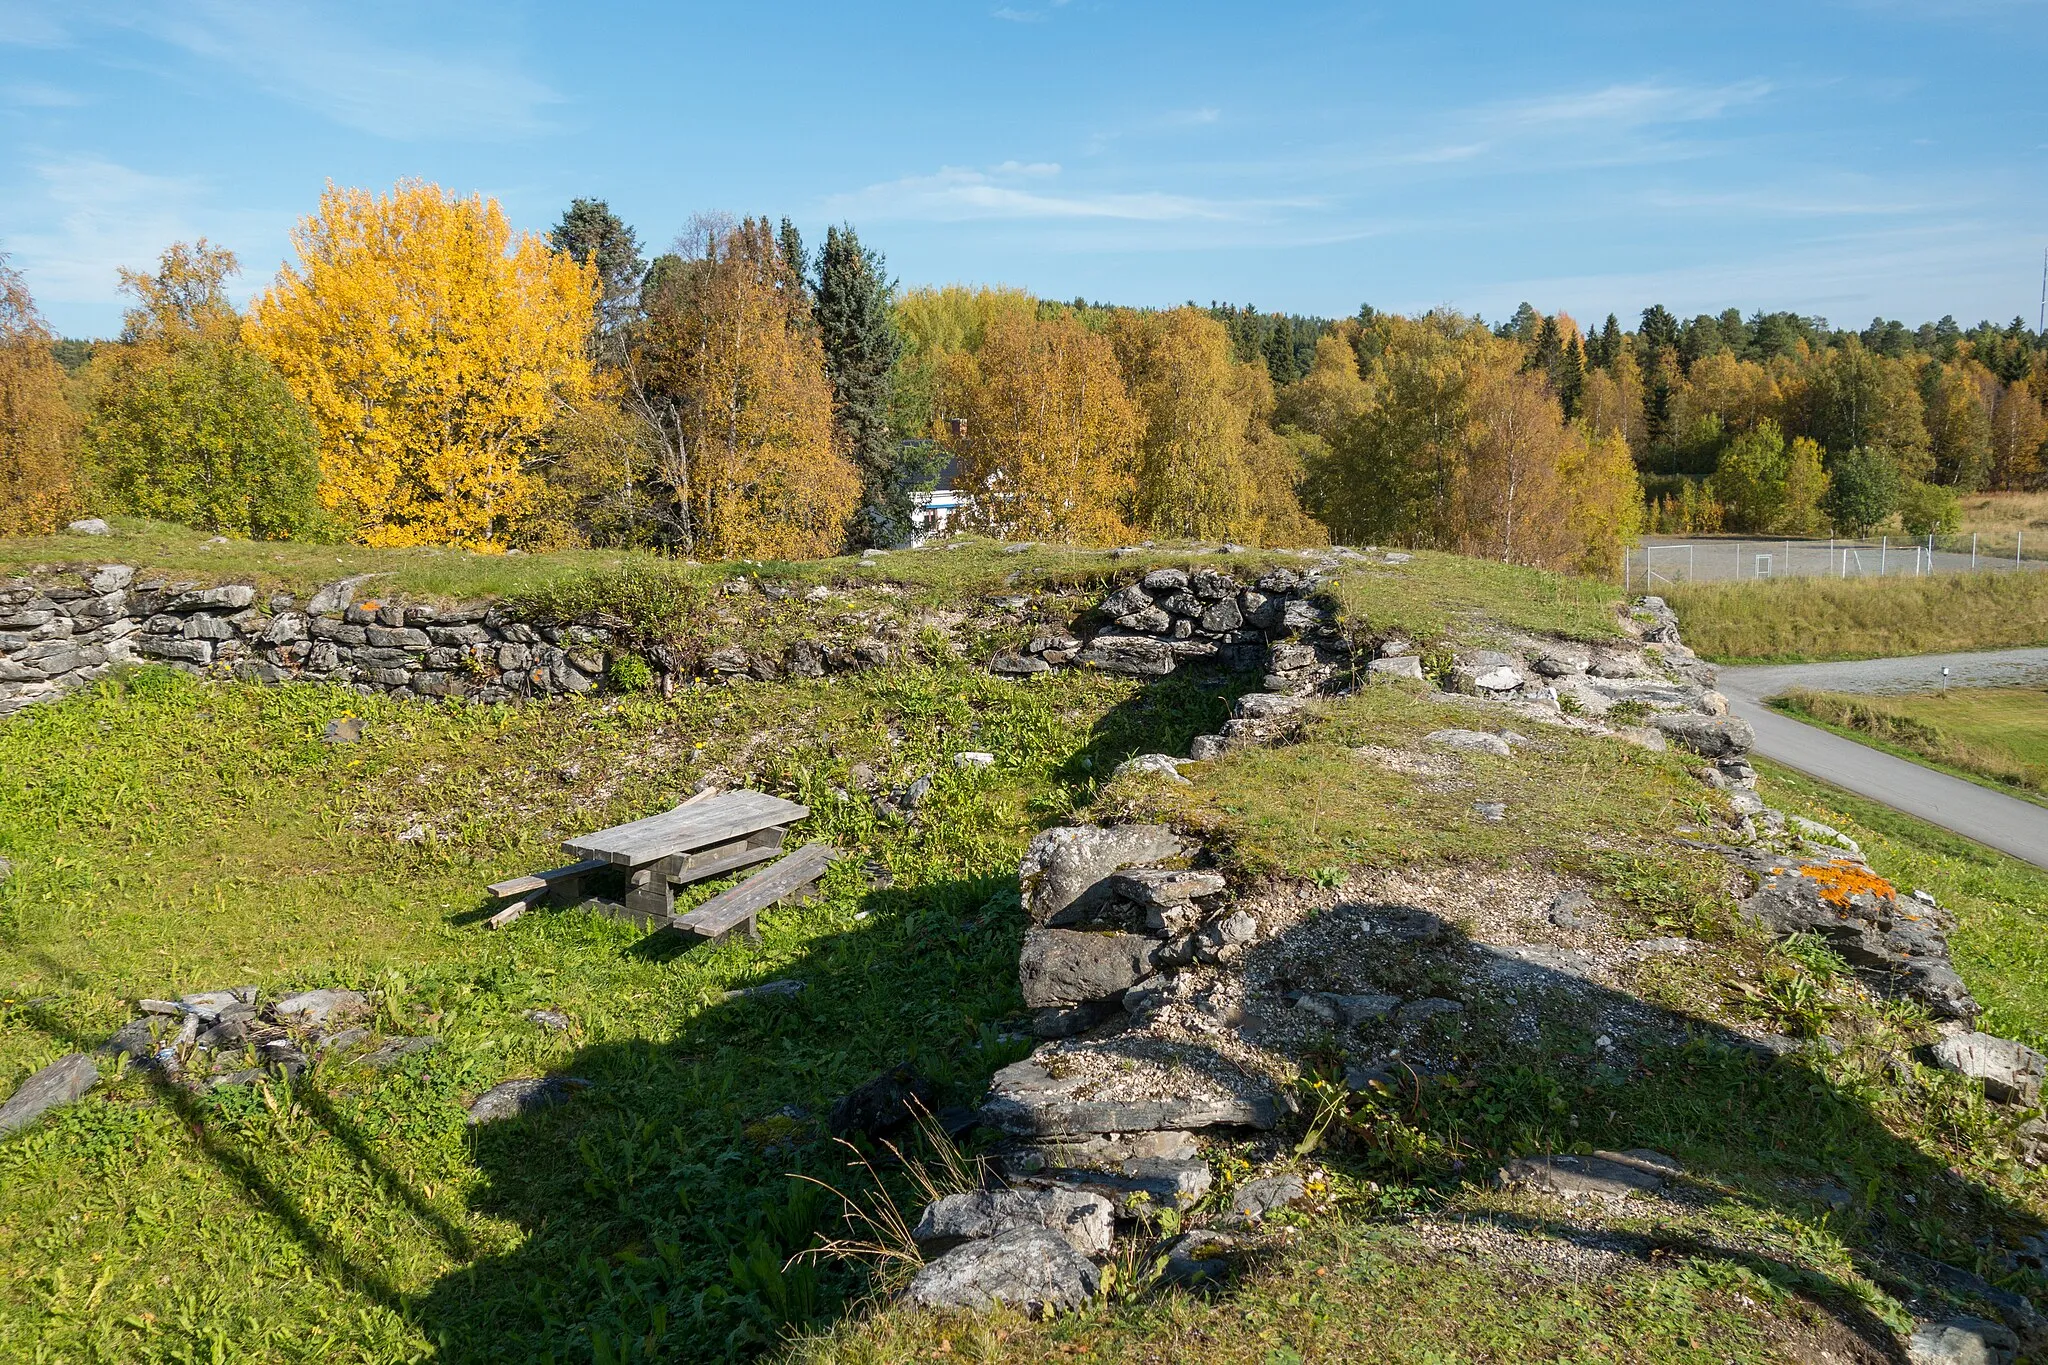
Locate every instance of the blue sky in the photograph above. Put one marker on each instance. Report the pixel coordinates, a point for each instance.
(1849, 158)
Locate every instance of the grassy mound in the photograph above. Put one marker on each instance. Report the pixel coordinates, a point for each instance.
(1998, 734)
(169, 835)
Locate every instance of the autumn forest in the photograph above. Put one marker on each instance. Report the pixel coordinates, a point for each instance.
(423, 374)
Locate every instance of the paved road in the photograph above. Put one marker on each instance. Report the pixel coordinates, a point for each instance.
(2006, 823)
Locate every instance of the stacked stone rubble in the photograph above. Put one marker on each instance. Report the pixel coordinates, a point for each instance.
(1170, 618)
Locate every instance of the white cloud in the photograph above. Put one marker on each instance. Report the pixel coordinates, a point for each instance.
(28, 23)
(100, 215)
(957, 193)
(294, 53)
(36, 95)
(1018, 16)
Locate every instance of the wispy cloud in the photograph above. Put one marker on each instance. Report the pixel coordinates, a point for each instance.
(1018, 16)
(94, 215)
(36, 95)
(28, 23)
(293, 52)
(1014, 190)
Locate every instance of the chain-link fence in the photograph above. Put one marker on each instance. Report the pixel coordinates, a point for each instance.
(1662, 560)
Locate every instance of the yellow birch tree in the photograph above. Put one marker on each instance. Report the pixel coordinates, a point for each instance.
(38, 429)
(433, 348)
(1044, 430)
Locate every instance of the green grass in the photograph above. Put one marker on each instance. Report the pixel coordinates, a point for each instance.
(1801, 620)
(1423, 1260)
(951, 572)
(1997, 735)
(170, 836)
(1445, 598)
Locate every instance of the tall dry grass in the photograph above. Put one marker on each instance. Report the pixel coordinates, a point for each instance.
(1800, 620)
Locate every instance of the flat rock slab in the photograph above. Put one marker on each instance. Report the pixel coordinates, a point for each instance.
(1470, 742)
(1141, 1182)
(1025, 1268)
(395, 1050)
(1609, 1176)
(2011, 1072)
(1255, 1199)
(317, 1007)
(1962, 1341)
(61, 1082)
(1065, 865)
(1086, 1222)
(529, 1095)
(1026, 1099)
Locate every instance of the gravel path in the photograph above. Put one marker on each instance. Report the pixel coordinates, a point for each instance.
(2003, 822)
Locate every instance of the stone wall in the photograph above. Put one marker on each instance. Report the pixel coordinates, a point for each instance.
(66, 629)
(71, 629)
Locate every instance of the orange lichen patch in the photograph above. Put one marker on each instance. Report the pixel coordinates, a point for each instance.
(1842, 881)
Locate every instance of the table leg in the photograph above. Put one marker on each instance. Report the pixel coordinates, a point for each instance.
(649, 900)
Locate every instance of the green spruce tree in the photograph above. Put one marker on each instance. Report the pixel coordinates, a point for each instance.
(861, 348)
(589, 231)
(1278, 349)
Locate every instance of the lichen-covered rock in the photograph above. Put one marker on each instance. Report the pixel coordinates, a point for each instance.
(1127, 1095)
(1026, 1268)
(1902, 945)
(1469, 741)
(1086, 1222)
(1064, 868)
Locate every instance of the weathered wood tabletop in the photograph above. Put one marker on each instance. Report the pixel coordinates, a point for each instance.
(698, 839)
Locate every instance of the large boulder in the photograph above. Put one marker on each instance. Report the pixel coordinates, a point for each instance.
(60, 1083)
(2011, 1072)
(1063, 869)
(1028, 1268)
(1086, 1222)
(1962, 1341)
(1068, 967)
(1707, 736)
(1901, 944)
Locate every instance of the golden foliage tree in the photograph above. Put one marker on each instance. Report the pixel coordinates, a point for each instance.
(38, 429)
(1047, 436)
(1612, 403)
(1191, 478)
(1508, 474)
(433, 348)
(1332, 392)
(2017, 432)
(731, 377)
(186, 299)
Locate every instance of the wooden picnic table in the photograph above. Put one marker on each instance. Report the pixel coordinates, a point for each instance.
(699, 839)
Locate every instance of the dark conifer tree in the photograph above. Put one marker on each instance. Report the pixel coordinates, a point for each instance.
(1570, 379)
(589, 231)
(792, 244)
(861, 347)
(1607, 348)
(1659, 328)
(1278, 349)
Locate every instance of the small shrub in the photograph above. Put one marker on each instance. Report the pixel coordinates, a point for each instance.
(629, 673)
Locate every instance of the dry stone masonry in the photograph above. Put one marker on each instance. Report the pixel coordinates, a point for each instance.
(1173, 1007)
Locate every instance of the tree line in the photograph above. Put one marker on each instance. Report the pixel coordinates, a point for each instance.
(423, 374)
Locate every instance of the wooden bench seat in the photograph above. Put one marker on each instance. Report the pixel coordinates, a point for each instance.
(554, 877)
(742, 904)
